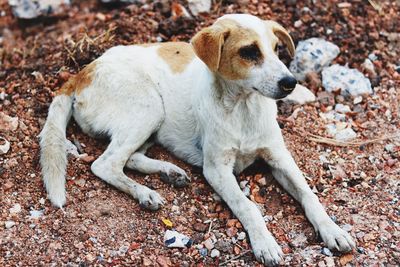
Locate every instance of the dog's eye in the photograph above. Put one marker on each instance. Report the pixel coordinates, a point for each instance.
(250, 52)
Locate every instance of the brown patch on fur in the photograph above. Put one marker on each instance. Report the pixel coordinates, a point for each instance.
(232, 66)
(176, 54)
(218, 46)
(264, 154)
(79, 81)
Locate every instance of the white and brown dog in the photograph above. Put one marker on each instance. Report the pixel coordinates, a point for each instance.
(211, 103)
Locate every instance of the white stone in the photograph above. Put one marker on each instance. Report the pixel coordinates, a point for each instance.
(16, 209)
(35, 214)
(312, 55)
(300, 95)
(199, 6)
(5, 147)
(357, 100)
(345, 135)
(342, 108)
(9, 224)
(28, 9)
(241, 236)
(215, 253)
(298, 23)
(368, 65)
(209, 244)
(350, 81)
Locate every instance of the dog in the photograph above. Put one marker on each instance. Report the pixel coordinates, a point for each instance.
(212, 103)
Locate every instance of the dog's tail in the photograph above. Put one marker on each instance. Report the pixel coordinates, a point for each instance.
(53, 156)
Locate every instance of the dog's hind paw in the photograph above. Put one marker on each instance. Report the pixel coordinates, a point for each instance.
(267, 251)
(335, 238)
(175, 176)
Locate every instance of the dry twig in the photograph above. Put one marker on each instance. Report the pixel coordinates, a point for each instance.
(334, 142)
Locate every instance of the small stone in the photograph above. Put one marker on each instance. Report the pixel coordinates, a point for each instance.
(342, 108)
(357, 100)
(326, 252)
(35, 214)
(262, 181)
(200, 227)
(215, 253)
(241, 236)
(231, 231)
(390, 148)
(203, 252)
(209, 244)
(8, 123)
(223, 246)
(80, 182)
(42, 201)
(88, 159)
(298, 23)
(4, 146)
(199, 6)
(8, 185)
(329, 262)
(345, 135)
(27, 9)
(300, 95)
(15, 209)
(9, 224)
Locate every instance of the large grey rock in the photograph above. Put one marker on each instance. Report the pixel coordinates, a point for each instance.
(350, 81)
(312, 55)
(29, 9)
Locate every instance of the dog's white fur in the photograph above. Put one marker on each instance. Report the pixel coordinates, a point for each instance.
(134, 95)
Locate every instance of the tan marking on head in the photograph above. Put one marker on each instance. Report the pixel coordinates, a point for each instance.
(176, 54)
(79, 81)
(218, 46)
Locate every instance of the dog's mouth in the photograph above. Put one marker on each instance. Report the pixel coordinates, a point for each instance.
(276, 96)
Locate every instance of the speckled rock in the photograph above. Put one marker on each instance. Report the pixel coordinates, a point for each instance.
(350, 81)
(312, 55)
(29, 9)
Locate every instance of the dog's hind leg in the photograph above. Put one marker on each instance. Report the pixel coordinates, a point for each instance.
(109, 166)
(169, 172)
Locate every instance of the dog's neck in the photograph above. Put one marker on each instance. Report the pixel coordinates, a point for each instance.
(229, 94)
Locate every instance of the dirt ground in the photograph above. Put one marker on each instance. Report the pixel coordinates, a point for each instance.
(100, 226)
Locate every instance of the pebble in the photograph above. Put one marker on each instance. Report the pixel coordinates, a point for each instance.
(27, 9)
(203, 252)
(330, 262)
(4, 146)
(199, 6)
(15, 209)
(390, 148)
(357, 100)
(298, 23)
(345, 134)
(9, 224)
(300, 95)
(200, 227)
(243, 184)
(209, 244)
(312, 55)
(35, 214)
(350, 81)
(223, 246)
(241, 236)
(342, 108)
(8, 123)
(215, 253)
(326, 252)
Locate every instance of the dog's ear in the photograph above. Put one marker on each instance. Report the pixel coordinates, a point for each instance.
(207, 45)
(283, 35)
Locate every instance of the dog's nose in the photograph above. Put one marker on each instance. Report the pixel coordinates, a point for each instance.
(287, 83)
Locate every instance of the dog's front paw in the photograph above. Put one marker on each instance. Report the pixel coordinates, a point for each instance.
(149, 199)
(175, 176)
(267, 251)
(335, 237)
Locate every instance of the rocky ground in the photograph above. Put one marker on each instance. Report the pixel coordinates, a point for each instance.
(357, 180)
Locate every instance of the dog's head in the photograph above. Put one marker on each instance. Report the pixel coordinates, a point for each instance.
(242, 49)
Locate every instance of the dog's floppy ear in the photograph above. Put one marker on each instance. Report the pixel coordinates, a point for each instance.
(283, 35)
(207, 45)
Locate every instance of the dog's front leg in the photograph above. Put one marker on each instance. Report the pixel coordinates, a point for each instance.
(218, 170)
(288, 174)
